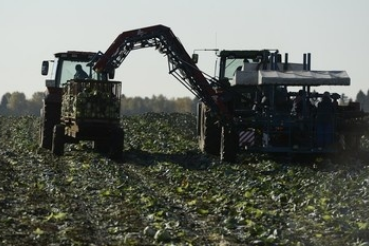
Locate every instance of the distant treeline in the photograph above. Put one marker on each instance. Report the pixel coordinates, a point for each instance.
(17, 104)
(139, 105)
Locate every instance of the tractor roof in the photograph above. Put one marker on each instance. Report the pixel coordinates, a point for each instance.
(304, 77)
(270, 77)
(76, 55)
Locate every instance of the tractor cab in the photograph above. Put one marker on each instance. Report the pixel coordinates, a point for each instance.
(64, 68)
(80, 104)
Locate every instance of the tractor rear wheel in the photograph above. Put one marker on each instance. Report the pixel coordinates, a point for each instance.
(58, 140)
(209, 131)
(50, 116)
(352, 142)
(117, 144)
(101, 146)
(228, 145)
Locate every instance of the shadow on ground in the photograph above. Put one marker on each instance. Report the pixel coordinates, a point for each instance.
(193, 160)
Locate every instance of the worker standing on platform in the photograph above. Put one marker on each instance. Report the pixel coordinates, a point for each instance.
(325, 121)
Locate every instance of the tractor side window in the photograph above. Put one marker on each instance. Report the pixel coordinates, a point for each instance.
(53, 71)
(231, 66)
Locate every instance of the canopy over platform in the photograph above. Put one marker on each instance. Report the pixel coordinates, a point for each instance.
(269, 77)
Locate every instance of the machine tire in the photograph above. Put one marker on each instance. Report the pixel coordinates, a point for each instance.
(44, 142)
(101, 146)
(117, 144)
(209, 131)
(228, 145)
(50, 116)
(352, 142)
(58, 140)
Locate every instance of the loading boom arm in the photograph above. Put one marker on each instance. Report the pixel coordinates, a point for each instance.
(181, 66)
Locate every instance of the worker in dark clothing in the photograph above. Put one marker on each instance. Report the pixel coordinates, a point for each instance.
(282, 101)
(298, 104)
(299, 111)
(80, 73)
(325, 121)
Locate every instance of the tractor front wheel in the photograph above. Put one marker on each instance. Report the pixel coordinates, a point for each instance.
(117, 144)
(209, 131)
(50, 116)
(58, 140)
(228, 145)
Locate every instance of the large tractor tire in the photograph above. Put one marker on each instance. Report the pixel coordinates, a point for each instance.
(228, 145)
(352, 142)
(209, 131)
(50, 116)
(101, 146)
(117, 144)
(58, 140)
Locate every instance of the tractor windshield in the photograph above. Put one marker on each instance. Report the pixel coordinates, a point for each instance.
(76, 70)
(231, 66)
(68, 70)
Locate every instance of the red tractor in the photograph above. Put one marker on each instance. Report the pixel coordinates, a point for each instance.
(80, 105)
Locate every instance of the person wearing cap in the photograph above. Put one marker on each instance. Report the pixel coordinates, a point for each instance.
(325, 121)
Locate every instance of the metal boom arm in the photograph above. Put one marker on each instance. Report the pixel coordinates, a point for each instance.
(181, 66)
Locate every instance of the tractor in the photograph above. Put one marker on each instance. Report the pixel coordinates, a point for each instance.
(80, 105)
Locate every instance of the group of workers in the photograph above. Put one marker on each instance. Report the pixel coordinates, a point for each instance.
(322, 114)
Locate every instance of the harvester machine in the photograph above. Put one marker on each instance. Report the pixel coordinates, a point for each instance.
(281, 107)
(257, 103)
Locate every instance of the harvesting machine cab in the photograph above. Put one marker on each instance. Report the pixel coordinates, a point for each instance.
(275, 107)
(80, 105)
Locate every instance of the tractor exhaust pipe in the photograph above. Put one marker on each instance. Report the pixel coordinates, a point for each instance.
(307, 62)
(285, 67)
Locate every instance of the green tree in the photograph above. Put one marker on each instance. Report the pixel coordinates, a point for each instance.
(4, 104)
(184, 104)
(17, 103)
(366, 103)
(35, 104)
(361, 98)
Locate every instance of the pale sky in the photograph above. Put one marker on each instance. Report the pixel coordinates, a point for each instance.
(335, 32)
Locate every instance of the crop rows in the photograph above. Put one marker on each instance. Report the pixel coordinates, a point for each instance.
(167, 193)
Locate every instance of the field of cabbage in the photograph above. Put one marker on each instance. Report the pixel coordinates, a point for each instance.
(167, 193)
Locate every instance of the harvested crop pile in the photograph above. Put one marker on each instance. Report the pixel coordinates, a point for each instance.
(166, 192)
